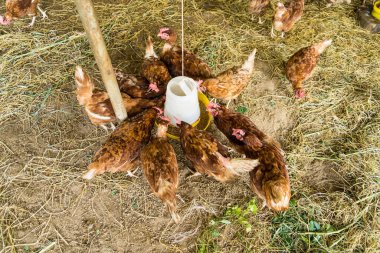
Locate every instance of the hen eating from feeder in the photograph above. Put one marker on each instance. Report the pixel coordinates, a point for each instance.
(135, 86)
(97, 103)
(171, 55)
(270, 179)
(154, 70)
(209, 156)
(121, 151)
(159, 162)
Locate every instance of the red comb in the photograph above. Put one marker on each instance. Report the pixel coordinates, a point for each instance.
(164, 29)
(177, 121)
(158, 109)
(164, 118)
(212, 105)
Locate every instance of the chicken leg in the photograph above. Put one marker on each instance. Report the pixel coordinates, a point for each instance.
(33, 21)
(43, 13)
(272, 34)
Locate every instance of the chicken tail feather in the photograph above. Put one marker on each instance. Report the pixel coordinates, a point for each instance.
(253, 141)
(166, 193)
(250, 62)
(277, 194)
(90, 174)
(94, 169)
(84, 86)
(321, 47)
(243, 165)
(149, 51)
(172, 207)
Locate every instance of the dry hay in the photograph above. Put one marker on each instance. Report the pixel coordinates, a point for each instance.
(331, 139)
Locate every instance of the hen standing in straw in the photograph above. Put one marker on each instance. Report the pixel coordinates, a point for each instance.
(301, 65)
(230, 83)
(286, 16)
(20, 8)
(257, 8)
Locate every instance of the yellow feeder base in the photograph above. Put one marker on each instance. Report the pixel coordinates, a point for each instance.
(376, 10)
(202, 123)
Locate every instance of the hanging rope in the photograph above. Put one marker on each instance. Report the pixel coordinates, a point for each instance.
(183, 35)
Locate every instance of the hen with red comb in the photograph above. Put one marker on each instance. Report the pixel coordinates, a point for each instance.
(171, 55)
(270, 179)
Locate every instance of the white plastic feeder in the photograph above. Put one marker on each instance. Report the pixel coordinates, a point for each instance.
(182, 100)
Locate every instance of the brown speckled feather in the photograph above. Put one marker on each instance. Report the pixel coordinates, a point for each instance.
(194, 67)
(160, 167)
(136, 86)
(155, 71)
(159, 161)
(227, 120)
(257, 7)
(293, 13)
(20, 8)
(300, 66)
(136, 105)
(203, 151)
(98, 105)
(270, 179)
(230, 83)
(271, 170)
(122, 148)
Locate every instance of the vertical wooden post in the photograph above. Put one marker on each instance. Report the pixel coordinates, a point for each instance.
(87, 14)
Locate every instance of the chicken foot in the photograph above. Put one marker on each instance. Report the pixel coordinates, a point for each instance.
(132, 174)
(112, 127)
(43, 13)
(196, 174)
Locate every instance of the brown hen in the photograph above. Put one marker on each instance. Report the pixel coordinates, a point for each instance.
(286, 16)
(209, 156)
(136, 86)
(270, 179)
(300, 66)
(154, 70)
(121, 151)
(159, 163)
(20, 8)
(230, 83)
(98, 104)
(171, 55)
(257, 8)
